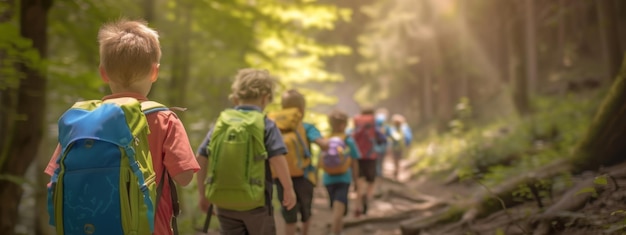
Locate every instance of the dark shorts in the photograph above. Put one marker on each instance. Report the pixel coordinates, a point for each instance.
(338, 192)
(258, 221)
(367, 169)
(304, 199)
(379, 165)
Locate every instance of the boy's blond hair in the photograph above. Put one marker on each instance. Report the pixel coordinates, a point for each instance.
(251, 84)
(128, 51)
(293, 99)
(336, 118)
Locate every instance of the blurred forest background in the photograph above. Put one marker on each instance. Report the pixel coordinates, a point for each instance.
(483, 83)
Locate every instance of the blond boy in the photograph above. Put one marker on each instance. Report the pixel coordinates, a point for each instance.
(251, 92)
(129, 64)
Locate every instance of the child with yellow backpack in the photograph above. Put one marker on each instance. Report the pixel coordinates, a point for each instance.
(341, 167)
(297, 136)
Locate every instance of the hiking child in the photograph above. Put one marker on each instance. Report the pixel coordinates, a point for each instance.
(129, 64)
(236, 157)
(382, 150)
(297, 136)
(341, 168)
(400, 141)
(367, 138)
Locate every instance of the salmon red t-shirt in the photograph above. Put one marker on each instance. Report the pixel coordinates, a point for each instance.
(170, 149)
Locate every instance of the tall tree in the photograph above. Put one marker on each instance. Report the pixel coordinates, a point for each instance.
(530, 44)
(603, 143)
(609, 34)
(180, 70)
(26, 126)
(347, 33)
(517, 44)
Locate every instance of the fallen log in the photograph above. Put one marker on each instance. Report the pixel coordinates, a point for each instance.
(416, 225)
(574, 200)
(483, 202)
(412, 196)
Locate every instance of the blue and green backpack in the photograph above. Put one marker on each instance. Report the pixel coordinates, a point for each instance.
(105, 183)
(236, 167)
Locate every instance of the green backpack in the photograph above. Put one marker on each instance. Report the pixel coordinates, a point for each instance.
(236, 167)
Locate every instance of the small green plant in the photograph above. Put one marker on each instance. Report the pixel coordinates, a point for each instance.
(601, 180)
(463, 113)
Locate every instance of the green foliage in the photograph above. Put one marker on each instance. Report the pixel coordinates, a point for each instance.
(463, 115)
(288, 48)
(17, 180)
(524, 192)
(14, 50)
(600, 180)
(508, 147)
(592, 190)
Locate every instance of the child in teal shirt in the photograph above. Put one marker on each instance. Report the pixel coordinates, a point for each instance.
(338, 185)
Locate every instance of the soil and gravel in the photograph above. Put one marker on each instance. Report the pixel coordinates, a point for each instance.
(602, 211)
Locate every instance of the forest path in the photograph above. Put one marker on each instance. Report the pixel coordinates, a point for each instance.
(395, 201)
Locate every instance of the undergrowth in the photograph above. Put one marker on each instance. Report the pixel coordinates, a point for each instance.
(507, 147)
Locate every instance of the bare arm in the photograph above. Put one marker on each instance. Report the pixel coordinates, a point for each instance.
(202, 161)
(200, 177)
(322, 143)
(279, 164)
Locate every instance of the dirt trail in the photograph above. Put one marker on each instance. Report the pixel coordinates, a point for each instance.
(385, 205)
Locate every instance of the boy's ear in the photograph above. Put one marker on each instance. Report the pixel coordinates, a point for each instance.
(235, 100)
(103, 75)
(155, 72)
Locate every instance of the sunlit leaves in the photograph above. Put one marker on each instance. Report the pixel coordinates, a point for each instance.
(286, 46)
(306, 15)
(600, 180)
(295, 58)
(592, 190)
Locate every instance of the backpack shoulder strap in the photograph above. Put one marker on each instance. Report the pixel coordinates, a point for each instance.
(307, 153)
(152, 106)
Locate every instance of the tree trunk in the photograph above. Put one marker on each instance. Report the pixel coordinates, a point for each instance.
(31, 110)
(609, 34)
(180, 57)
(427, 100)
(562, 26)
(604, 142)
(517, 67)
(346, 33)
(531, 45)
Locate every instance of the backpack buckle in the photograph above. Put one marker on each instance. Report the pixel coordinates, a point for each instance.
(256, 182)
(260, 157)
